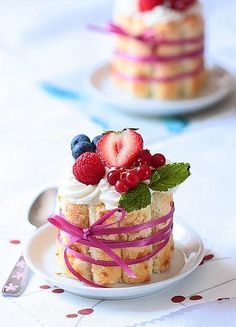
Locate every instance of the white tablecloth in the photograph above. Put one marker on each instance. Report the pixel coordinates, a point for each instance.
(44, 42)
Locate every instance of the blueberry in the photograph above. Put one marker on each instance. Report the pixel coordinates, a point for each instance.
(80, 148)
(95, 141)
(79, 138)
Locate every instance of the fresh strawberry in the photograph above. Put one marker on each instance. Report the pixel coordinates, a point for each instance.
(88, 168)
(146, 5)
(120, 149)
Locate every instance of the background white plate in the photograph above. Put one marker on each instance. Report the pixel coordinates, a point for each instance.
(39, 253)
(100, 86)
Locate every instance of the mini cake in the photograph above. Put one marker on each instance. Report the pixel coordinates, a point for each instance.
(159, 48)
(116, 210)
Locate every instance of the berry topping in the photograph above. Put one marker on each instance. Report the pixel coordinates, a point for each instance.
(132, 178)
(180, 5)
(144, 172)
(158, 160)
(144, 158)
(80, 148)
(79, 138)
(146, 5)
(120, 149)
(113, 176)
(95, 141)
(89, 169)
(122, 186)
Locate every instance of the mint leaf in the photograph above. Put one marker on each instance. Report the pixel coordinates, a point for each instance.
(136, 199)
(154, 178)
(170, 176)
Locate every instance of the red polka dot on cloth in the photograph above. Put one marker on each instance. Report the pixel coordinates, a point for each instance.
(15, 242)
(85, 312)
(58, 290)
(222, 298)
(44, 287)
(72, 315)
(195, 297)
(208, 257)
(178, 299)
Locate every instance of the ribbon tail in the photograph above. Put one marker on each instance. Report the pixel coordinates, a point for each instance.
(77, 274)
(114, 257)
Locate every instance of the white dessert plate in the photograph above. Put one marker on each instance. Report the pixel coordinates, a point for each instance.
(39, 253)
(99, 85)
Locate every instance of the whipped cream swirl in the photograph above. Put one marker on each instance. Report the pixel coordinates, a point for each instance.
(79, 193)
(159, 14)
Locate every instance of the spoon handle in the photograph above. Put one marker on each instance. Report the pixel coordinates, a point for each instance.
(16, 282)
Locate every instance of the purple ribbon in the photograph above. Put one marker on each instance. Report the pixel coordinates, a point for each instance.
(87, 236)
(157, 58)
(153, 79)
(149, 36)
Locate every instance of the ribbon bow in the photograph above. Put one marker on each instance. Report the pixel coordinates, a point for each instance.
(88, 237)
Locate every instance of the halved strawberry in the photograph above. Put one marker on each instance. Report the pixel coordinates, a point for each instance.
(146, 5)
(120, 149)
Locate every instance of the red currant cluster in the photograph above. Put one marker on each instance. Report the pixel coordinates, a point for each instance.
(126, 179)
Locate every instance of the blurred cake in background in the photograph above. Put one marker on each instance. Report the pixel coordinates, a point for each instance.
(159, 48)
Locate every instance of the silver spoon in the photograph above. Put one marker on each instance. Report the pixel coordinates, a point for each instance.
(42, 207)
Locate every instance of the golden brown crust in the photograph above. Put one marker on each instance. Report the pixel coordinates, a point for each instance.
(103, 275)
(160, 206)
(82, 267)
(142, 270)
(78, 215)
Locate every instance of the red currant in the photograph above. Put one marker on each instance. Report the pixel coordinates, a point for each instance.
(144, 172)
(158, 160)
(122, 170)
(144, 158)
(132, 178)
(122, 176)
(113, 176)
(122, 186)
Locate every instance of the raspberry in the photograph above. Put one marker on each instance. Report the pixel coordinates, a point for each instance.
(89, 169)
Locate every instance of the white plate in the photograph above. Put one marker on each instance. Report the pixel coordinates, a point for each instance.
(39, 253)
(100, 86)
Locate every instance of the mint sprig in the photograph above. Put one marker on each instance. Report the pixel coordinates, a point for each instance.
(135, 199)
(169, 176)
